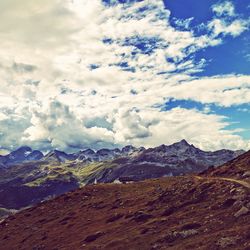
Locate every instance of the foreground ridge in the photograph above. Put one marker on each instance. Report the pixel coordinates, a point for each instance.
(206, 211)
(242, 183)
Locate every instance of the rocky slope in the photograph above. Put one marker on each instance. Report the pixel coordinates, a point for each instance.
(23, 154)
(177, 159)
(29, 177)
(238, 168)
(209, 211)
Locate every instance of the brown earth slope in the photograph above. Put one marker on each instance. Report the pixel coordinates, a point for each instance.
(190, 212)
(238, 168)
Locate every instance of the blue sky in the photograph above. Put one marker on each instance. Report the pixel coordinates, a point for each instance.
(232, 50)
(228, 58)
(107, 73)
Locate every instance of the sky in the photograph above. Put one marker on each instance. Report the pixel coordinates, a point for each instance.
(80, 74)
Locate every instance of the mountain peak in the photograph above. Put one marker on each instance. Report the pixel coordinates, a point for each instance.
(184, 142)
(54, 152)
(128, 149)
(22, 154)
(23, 149)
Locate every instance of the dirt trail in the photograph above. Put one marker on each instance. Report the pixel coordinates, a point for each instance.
(242, 183)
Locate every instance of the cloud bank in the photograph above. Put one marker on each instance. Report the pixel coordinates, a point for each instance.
(78, 74)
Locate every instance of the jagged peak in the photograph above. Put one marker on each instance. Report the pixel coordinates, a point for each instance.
(183, 142)
(128, 147)
(55, 152)
(87, 151)
(23, 149)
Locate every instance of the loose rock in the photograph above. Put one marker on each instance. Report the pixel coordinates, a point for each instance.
(241, 212)
(93, 237)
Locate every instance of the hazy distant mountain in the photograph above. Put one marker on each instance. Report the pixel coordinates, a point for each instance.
(176, 159)
(26, 154)
(58, 156)
(22, 154)
(164, 156)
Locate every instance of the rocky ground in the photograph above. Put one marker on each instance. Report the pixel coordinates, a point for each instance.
(209, 211)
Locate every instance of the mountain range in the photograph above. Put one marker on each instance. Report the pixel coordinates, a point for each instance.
(210, 210)
(28, 176)
(163, 154)
(26, 154)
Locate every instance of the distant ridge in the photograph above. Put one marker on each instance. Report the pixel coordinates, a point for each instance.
(28, 177)
(27, 154)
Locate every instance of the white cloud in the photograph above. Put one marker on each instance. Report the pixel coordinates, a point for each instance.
(62, 129)
(227, 21)
(224, 8)
(38, 24)
(224, 91)
(234, 28)
(183, 23)
(63, 87)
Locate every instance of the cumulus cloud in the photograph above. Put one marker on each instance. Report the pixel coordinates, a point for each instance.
(78, 74)
(63, 129)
